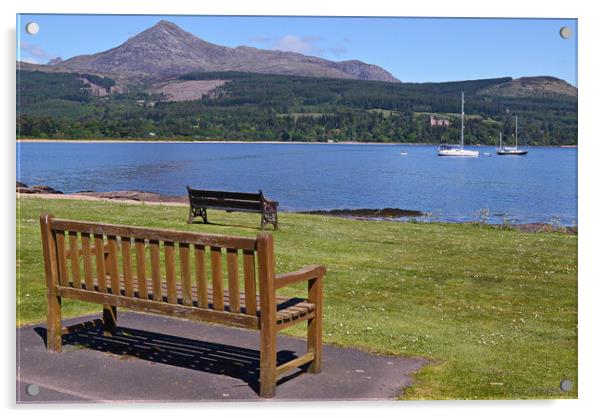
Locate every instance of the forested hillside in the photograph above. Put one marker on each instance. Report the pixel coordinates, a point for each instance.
(290, 108)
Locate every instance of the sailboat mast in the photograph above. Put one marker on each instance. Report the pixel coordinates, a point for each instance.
(462, 135)
(500, 139)
(516, 132)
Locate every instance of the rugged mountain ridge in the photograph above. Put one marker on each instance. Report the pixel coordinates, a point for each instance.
(165, 50)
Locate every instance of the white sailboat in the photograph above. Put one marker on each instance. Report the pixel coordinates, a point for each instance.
(515, 150)
(446, 150)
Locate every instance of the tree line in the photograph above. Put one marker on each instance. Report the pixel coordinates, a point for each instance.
(287, 108)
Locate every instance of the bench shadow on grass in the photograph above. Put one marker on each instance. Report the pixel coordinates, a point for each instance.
(221, 359)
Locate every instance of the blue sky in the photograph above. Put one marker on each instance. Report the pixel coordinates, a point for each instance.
(412, 49)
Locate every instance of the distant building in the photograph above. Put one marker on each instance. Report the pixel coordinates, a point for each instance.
(439, 122)
(145, 103)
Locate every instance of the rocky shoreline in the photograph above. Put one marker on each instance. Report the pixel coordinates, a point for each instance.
(358, 214)
(385, 213)
(25, 189)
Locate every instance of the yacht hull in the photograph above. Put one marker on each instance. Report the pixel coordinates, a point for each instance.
(512, 152)
(457, 153)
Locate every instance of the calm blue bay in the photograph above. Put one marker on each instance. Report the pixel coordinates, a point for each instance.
(539, 187)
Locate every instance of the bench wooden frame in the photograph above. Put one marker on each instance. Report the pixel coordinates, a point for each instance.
(103, 253)
(201, 200)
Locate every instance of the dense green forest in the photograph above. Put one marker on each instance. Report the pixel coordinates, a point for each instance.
(288, 108)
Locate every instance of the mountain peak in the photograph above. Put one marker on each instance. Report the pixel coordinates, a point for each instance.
(166, 50)
(167, 23)
(165, 27)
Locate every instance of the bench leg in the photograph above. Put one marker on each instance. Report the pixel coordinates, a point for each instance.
(202, 212)
(314, 326)
(267, 363)
(269, 219)
(54, 339)
(109, 319)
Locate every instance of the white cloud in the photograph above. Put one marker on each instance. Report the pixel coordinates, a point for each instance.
(338, 50)
(307, 45)
(36, 54)
(262, 39)
(30, 60)
(295, 44)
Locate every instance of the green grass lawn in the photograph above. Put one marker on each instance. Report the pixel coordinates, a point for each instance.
(494, 310)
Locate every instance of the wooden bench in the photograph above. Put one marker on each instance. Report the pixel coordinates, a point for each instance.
(122, 266)
(201, 200)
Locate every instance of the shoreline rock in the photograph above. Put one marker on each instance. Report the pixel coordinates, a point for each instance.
(367, 213)
(41, 189)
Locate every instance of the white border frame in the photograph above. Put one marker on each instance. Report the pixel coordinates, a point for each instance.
(589, 202)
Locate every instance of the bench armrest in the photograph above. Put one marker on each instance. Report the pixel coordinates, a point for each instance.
(270, 205)
(304, 274)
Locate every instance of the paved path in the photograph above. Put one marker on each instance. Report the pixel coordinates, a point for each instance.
(155, 358)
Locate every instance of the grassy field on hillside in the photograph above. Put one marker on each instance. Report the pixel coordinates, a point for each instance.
(494, 310)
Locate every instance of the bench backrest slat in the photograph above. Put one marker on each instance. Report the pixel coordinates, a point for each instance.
(113, 260)
(250, 288)
(141, 269)
(155, 253)
(126, 257)
(232, 262)
(185, 274)
(87, 260)
(201, 276)
(74, 251)
(100, 262)
(155, 265)
(216, 278)
(217, 194)
(62, 259)
(170, 269)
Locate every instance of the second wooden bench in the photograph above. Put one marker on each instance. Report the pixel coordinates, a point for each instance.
(201, 200)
